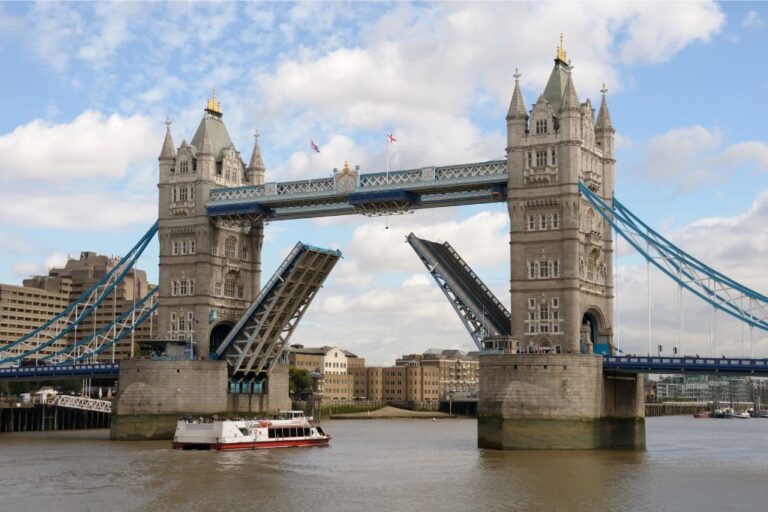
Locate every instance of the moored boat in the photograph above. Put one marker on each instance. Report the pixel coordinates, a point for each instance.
(289, 428)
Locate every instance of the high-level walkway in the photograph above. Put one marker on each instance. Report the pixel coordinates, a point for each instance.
(349, 193)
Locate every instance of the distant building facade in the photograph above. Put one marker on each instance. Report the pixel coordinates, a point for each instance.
(704, 388)
(430, 376)
(24, 308)
(335, 366)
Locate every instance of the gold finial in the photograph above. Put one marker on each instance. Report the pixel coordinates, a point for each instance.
(213, 105)
(561, 54)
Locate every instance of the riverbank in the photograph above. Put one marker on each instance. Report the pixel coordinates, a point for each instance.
(389, 412)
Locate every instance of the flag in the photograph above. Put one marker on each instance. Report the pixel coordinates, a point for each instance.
(391, 138)
(314, 146)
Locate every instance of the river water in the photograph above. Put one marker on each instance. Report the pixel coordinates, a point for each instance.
(391, 465)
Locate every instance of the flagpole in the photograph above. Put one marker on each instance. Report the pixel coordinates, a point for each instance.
(310, 167)
(387, 180)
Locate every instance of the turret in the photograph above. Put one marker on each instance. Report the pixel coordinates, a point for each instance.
(604, 131)
(167, 156)
(570, 112)
(517, 117)
(255, 170)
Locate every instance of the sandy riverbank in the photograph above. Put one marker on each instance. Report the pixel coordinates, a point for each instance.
(389, 412)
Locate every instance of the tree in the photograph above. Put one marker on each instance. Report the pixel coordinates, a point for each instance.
(300, 381)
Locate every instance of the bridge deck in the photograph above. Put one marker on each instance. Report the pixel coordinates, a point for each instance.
(666, 365)
(256, 343)
(478, 308)
(60, 371)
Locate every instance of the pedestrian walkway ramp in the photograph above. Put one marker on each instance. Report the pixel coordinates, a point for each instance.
(82, 403)
(478, 308)
(258, 340)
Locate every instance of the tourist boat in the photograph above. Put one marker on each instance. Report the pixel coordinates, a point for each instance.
(289, 428)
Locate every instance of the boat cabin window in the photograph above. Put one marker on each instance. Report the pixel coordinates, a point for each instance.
(244, 431)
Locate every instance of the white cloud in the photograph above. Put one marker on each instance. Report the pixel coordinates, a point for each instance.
(657, 34)
(752, 20)
(26, 269)
(92, 145)
(694, 156)
(113, 31)
(85, 211)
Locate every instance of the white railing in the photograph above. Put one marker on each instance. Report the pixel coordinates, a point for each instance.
(83, 403)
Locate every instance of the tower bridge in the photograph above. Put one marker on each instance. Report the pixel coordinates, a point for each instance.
(550, 373)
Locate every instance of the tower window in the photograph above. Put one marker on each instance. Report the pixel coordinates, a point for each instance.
(554, 156)
(531, 223)
(541, 158)
(184, 167)
(530, 159)
(555, 221)
(174, 247)
(541, 126)
(230, 247)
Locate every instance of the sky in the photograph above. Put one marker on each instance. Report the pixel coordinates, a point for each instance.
(87, 88)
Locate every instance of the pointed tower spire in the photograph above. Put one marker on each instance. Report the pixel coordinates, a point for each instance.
(604, 122)
(168, 151)
(517, 108)
(255, 168)
(570, 99)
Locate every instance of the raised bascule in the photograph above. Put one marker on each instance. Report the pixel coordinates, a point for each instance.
(550, 375)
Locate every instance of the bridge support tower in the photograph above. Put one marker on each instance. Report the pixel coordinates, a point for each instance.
(550, 391)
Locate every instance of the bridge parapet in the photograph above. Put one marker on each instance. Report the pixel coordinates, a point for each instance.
(423, 177)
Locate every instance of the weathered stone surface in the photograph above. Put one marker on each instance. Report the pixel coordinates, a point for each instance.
(154, 394)
(557, 401)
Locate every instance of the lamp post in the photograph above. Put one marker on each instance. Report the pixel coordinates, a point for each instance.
(317, 393)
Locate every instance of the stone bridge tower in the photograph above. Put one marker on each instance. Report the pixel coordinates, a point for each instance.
(554, 393)
(209, 274)
(561, 249)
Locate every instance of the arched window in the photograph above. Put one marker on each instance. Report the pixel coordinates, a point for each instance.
(183, 287)
(191, 287)
(174, 323)
(230, 281)
(230, 247)
(174, 247)
(174, 288)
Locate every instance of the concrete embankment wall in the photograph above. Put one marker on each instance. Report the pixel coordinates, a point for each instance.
(154, 394)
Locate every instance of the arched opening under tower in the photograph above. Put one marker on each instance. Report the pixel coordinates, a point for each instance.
(591, 341)
(219, 333)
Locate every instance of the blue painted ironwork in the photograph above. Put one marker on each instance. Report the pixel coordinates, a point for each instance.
(715, 288)
(370, 194)
(91, 346)
(60, 371)
(257, 341)
(66, 321)
(671, 365)
(478, 308)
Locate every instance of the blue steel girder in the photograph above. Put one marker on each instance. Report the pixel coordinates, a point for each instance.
(60, 372)
(477, 307)
(68, 320)
(369, 194)
(692, 365)
(257, 341)
(107, 336)
(713, 287)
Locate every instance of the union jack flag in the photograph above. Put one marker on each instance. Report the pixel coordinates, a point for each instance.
(391, 138)
(314, 146)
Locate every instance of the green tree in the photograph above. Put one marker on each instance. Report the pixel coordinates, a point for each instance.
(300, 381)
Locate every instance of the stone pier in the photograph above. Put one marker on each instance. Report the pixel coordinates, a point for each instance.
(154, 394)
(557, 401)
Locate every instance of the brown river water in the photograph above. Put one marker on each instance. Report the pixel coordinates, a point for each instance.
(391, 465)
